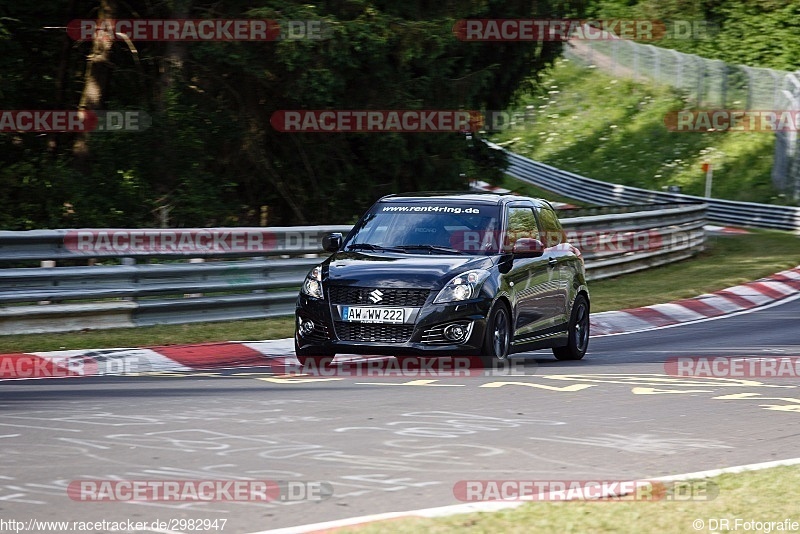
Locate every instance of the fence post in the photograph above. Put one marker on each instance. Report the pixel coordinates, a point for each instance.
(701, 73)
(193, 295)
(679, 66)
(658, 64)
(46, 264)
(792, 95)
(128, 261)
(590, 46)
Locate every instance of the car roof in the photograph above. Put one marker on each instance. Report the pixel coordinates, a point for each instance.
(478, 197)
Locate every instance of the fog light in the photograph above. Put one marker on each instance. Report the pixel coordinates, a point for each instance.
(455, 332)
(306, 327)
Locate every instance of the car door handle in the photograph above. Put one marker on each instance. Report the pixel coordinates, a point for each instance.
(552, 262)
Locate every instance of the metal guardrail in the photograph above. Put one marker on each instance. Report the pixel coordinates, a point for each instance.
(41, 245)
(42, 299)
(638, 240)
(597, 192)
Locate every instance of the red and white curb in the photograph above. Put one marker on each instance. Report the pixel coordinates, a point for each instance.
(710, 305)
(128, 361)
(278, 353)
(727, 230)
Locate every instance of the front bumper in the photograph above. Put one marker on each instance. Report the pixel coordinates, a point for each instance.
(328, 333)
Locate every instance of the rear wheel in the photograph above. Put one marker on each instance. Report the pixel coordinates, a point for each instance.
(497, 340)
(577, 333)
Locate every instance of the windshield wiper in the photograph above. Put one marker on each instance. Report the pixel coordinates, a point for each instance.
(371, 246)
(431, 248)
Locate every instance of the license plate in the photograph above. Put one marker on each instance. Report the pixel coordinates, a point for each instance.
(367, 314)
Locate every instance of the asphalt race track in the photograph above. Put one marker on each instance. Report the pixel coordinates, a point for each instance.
(398, 444)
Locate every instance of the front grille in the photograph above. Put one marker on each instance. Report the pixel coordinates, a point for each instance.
(383, 333)
(389, 297)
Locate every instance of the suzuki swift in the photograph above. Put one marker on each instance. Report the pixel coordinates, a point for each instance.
(441, 274)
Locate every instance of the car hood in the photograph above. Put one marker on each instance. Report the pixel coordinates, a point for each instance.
(399, 270)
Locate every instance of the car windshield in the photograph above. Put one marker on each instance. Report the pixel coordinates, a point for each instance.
(428, 229)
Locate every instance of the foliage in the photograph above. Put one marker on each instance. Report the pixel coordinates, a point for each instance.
(761, 33)
(211, 156)
(593, 124)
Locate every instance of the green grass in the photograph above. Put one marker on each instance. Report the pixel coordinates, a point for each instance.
(751, 496)
(530, 190)
(612, 129)
(727, 261)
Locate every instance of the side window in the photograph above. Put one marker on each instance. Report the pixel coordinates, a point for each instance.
(521, 223)
(553, 233)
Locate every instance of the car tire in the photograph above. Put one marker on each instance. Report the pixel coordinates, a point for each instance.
(497, 339)
(577, 332)
(315, 357)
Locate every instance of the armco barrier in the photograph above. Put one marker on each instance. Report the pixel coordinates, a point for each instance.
(44, 245)
(42, 299)
(589, 190)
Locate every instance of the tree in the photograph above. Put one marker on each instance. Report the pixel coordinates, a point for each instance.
(211, 156)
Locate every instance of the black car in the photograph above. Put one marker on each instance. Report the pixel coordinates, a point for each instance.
(438, 274)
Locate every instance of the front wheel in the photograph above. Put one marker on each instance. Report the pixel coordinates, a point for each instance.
(577, 333)
(315, 358)
(497, 340)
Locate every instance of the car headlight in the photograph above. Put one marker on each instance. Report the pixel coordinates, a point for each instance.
(463, 287)
(312, 286)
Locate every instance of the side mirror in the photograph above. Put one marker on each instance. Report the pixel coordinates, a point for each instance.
(332, 242)
(526, 247)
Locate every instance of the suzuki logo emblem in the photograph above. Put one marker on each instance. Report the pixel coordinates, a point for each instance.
(376, 296)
